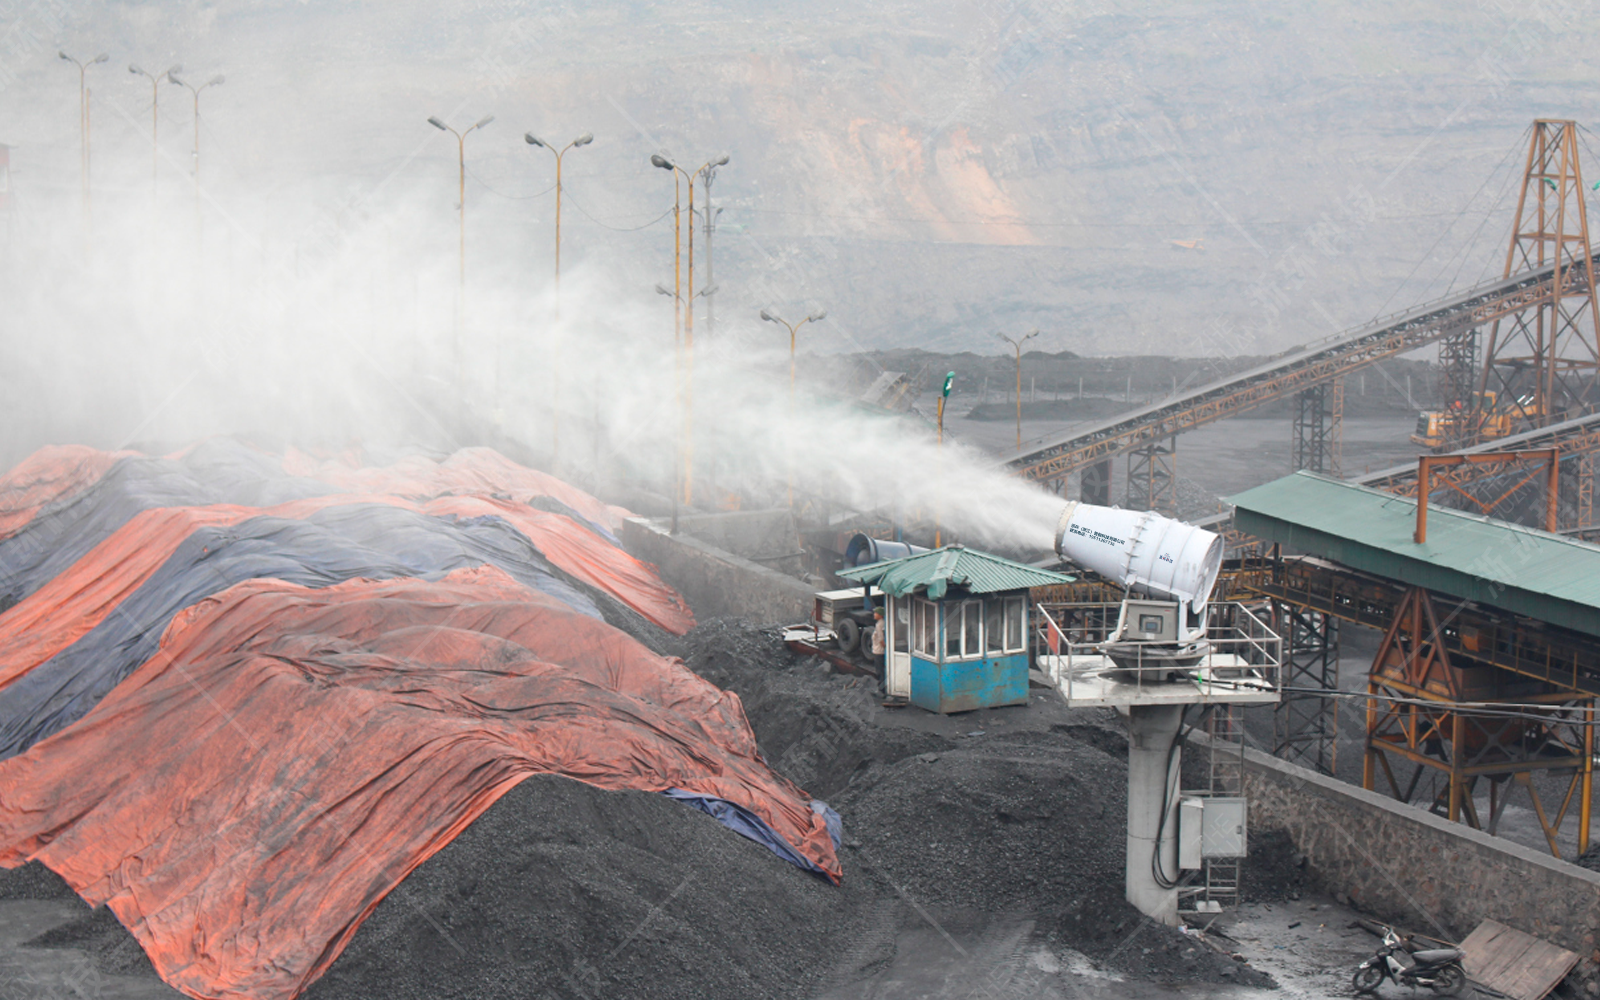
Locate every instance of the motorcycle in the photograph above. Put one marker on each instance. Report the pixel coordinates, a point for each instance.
(1439, 969)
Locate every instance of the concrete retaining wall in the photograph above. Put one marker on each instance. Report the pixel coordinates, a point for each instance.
(752, 534)
(1404, 864)
(716, 582)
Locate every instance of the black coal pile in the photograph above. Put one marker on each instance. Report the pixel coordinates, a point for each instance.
(563, 890)
(1275, 872)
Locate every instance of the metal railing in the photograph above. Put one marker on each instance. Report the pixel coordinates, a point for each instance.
(1244, 654)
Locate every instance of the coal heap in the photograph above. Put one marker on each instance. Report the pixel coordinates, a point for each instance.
(564, 890)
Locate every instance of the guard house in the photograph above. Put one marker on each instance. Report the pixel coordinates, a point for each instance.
(957, 627)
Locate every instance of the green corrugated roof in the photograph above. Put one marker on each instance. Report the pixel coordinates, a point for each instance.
(1523, 570)
(978, 572)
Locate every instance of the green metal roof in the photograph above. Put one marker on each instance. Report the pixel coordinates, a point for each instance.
(1523, 570)
(978, 572)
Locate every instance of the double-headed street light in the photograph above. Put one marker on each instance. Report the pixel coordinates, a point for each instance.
(772, 317)
(1017, 344)
(461, 194)
(83, 124)
(155, 120)
(582, 140)
(658, 160)
(172, 75)
(461, 209)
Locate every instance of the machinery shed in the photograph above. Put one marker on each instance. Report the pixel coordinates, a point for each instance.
(1543, 576)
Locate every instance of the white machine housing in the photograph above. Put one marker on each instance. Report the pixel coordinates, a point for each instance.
(1168, 568)
(1149, 554)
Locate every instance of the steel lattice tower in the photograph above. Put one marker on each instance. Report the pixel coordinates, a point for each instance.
(1543, 361)
(1319, 428)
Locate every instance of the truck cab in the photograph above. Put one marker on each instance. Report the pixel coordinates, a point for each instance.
(846, 616)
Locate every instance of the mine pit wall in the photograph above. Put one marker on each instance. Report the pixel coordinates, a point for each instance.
(1401, 863)
(714, 581)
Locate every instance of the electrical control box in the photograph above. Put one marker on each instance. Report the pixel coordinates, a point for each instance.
(1210, 827)
(1150, 621)
(1191, 826)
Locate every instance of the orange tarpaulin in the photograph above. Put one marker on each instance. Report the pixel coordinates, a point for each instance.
(480, 471)
(52, 473)
(74, 602)
(249, 794)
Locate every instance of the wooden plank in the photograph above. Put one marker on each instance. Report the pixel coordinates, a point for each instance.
(1519, 965)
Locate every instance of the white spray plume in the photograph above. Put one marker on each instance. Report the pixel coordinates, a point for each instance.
(153, 329)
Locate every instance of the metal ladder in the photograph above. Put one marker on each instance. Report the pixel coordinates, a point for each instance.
(1218, 881)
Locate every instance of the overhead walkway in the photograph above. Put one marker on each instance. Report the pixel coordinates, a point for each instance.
(1288, 373)
(1574, 437)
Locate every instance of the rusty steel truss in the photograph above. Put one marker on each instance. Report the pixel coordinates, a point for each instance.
(1480, 485)
(1305, 723)
(1542, 360)
(1458, 723)
(1298, 370)
(1153, 477)
(1318, 428)
(1439, 686)
(1447, 470)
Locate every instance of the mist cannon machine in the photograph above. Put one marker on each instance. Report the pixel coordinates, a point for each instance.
(1169, 569)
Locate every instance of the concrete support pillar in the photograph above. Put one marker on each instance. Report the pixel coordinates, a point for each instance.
(1152, 729)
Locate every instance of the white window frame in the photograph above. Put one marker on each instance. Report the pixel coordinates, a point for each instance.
(1020, 620)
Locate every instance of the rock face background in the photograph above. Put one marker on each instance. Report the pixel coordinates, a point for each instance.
(930, 172)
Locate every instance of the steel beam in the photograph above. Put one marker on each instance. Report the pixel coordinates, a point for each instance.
(1439, 714)
(1305, 725)
(1153, 478)
(1542, 361)
(1299, 369)
(1318, 428)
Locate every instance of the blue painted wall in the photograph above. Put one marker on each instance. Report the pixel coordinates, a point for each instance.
(964, 685)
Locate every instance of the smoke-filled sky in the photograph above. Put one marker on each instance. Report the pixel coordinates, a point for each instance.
(1130, 178)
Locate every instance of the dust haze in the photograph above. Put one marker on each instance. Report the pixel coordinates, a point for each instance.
(1146, 178)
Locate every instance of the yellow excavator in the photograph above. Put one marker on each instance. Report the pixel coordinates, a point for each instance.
(1480, 419)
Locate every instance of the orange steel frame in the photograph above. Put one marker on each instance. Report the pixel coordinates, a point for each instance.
(1426, 464)
(1418, 685)
(1246, 397)
(1438, 712)
(1552, 232)
(1545, 344)
(1576, 443)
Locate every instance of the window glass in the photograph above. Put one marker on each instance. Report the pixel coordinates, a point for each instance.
(993, 628)
(902, 622)
(951, 613)
(927, 629)
(1016, 623)
(972, 631)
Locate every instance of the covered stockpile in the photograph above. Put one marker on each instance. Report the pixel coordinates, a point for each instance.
(243, 695)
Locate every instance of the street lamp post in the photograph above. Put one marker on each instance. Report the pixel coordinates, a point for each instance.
(83, 128)
(1017, 345)
(657, 160)
(708, 215)
(688, 314)
(555, 408)
(944, 394)
(214, 81)
(461, 210)
(772, 317)
(155, 119)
